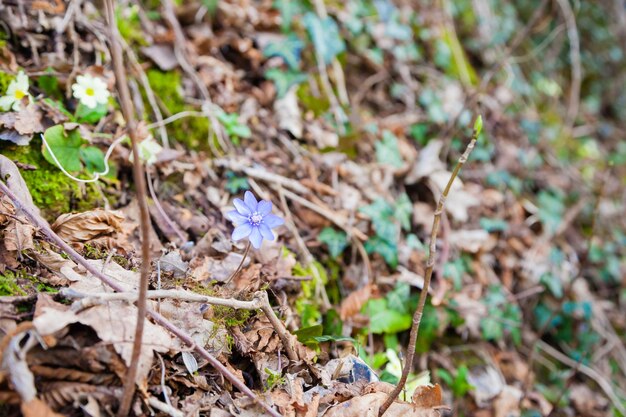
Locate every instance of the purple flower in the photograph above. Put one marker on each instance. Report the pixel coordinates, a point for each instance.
(253, 220)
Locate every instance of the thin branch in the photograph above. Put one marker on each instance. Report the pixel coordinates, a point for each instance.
(245, 255)
(576, 71)
(144, 215)
(44, 227)
(417, 316)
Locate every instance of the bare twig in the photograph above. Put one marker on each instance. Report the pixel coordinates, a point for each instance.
(245, 255)
(44, 227)
(576, 71)
(417, 316)
(594, 375)
(140, 184)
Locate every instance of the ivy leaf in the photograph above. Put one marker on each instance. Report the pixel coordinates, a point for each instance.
(288, 10)
(235, 184)
(284, 80)
(387, 151)
(386, 320)
(491, 328)
(325, 36)
(233, 126)
(388, 250)
(288, 49)
(65, 146)
(379, 209)
(398, 298)
(85, 114)
(93, 158)
(336, 240)
(403, 211)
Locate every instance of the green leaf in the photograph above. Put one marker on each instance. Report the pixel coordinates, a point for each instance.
(493, 225)
(336, 240)
(65, 146)
(307, 334)
(398, 298)
(385, 320)
(492, 328)
(387, 151)
(288, 10)
(85, 114)
(93, 158)
(403, 211)
(284, 80)
(388, 250)
(288, 49)
(325, 36)
(235, 184)
(478, 125)
(378, 210)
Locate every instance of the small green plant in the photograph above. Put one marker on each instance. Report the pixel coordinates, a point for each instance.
(336, 240)
(274, 379)
(234, 128)
(458, 383)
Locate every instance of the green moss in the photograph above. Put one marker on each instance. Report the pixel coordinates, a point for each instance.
(230, 317)
(318, 105)
(9, 286)
(5, 80)
(22, 283)
(92, 252)
(52, 191)
(191, 131)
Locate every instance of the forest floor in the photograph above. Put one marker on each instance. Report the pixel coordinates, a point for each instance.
(349, 118)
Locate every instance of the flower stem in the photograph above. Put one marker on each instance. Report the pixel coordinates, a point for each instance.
(245, 254)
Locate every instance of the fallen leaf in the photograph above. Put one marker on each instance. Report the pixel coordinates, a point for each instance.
(352, 304)
(427, 396)
(89, 225)
(288, 113)
(369, 404)
(162, 55)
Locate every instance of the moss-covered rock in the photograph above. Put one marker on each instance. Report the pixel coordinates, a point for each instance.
(52, 191)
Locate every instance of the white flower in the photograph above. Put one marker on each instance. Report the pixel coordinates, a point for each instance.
(149, 149)
(90, 90)
(18, 89)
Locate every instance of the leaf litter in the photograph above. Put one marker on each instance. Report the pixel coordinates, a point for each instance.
(506, 256)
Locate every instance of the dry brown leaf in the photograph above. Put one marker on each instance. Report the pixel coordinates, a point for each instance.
(114, 322)
(427, 396)
(28, 121)
(352, 304)
(18, 236)
(369, 404)
(89, 225)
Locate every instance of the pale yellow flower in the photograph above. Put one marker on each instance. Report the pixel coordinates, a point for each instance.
(17, 90)
(90, 90)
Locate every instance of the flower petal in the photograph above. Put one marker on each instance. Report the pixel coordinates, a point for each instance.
(6, 102)
(242, 231)
(272, 221)
(236, 218)
(255, 238)
(241, 207)
(264, 208)
(266, 232)
(248, 197)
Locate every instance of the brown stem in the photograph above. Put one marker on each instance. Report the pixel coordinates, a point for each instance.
(245, 254)
(140, 184)
(417, 316)
(44, 227)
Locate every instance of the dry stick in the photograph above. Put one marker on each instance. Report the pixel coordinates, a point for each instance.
(245, 255)
(41, 224)
(417, 316)
(140, 184)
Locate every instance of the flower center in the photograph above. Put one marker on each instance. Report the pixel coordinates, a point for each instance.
(89, 91)
(256, 218)
(19, 94)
